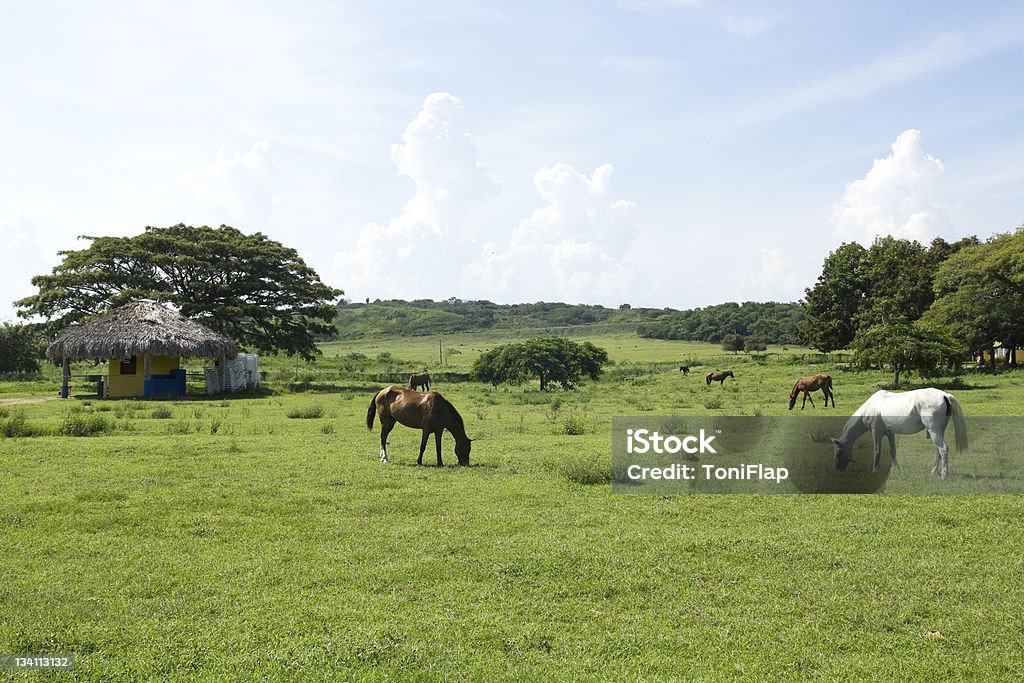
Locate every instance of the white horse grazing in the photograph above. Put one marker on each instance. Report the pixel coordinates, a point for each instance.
(889, 413)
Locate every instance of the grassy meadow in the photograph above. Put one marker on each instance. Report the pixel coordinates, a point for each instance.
(241, 537)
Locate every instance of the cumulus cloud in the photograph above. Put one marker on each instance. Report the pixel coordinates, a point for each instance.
(441, 159)
(235, 186)
(22, 257)
(899, 196)
(571, 249)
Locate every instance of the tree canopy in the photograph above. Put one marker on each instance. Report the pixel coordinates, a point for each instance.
(890, 282)
(549, 359)
(905, 348)
(21, 348)
(980, 294)
(248, 287)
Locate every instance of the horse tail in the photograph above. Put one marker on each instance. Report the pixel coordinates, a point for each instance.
(371, 412)
(959, 423)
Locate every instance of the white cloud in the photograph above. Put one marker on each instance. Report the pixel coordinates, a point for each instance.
(22, 257)
(775, 278)
(413, 254)
(571, 249)
(235, 186)
(899, 196)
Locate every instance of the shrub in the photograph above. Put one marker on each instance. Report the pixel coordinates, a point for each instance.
(182, 426)
(84, 424)
(20, 349)
(713, 403)
(162, 413)
(16, 425)
(580, 470)
(306, 413)
(573, 426)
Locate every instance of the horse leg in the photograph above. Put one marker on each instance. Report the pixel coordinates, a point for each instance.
(423, 447)
(437, 442)
(808, 397)
(876, 437)
(892, 449)
(386, 425)
(942, 452)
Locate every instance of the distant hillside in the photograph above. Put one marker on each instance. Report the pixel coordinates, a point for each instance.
(774, 322)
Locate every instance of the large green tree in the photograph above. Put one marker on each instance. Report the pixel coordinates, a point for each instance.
(248, 287)
(21, 348)
(905, 348)
(835, 300)
(889, 282)
(549, 359)
(980, 294)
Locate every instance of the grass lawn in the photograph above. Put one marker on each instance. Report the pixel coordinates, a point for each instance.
(223, 539)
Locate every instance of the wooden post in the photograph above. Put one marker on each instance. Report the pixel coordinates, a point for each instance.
(65, 378)
(147, 371)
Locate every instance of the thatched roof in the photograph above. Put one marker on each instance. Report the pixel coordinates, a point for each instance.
(137, 328)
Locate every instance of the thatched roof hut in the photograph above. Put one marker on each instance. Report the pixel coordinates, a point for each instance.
(139, 328)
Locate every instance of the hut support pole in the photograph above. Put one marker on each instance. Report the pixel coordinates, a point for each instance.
(147, 370)
(65, 378)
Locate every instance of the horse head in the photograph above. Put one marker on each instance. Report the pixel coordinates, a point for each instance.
(841, 454)
(462, 449)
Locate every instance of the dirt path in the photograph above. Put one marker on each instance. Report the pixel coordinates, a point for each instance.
(30, 399)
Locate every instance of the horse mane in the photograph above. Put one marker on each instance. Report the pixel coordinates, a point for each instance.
(456, 418)
(796, 390)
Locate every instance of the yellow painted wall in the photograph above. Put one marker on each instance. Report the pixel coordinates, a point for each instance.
(121, 386)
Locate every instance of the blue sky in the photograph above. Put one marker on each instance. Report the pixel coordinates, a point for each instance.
(657, 152)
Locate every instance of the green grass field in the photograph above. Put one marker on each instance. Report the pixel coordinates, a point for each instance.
(221, 539)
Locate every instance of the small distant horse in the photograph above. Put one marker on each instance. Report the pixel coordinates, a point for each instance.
(428, 411)
(685, 369)
(889, 413)
(420, 382)
(719, 377)
(809, 384)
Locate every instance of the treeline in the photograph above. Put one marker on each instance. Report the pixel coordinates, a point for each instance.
(771, 322)
(911, 307)
(400, 318)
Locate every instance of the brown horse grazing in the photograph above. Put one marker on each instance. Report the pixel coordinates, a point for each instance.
(420, 382)
(719, 377)
(809, 384)
(428, 411)
(685, 369)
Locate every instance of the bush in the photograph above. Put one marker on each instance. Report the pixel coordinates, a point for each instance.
(713, 403)
(306, 413)
(84, 424)
(16, 425)
(580, 470)
(573, 426)
(162, 413)
(20, 349)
